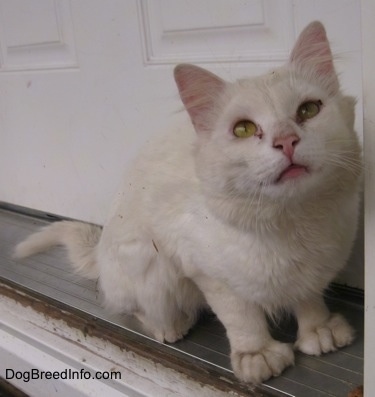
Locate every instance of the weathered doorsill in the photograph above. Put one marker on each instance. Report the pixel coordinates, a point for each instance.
(46, 284)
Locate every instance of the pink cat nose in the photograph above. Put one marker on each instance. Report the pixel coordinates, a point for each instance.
(287, 144)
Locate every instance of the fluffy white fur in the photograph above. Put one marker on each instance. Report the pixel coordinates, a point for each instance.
(204, 218)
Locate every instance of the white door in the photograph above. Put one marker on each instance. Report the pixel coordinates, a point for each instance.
(83, 83)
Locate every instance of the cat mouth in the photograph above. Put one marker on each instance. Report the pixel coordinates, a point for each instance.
(293, 171)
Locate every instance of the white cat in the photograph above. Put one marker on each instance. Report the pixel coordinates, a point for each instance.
(253, 212)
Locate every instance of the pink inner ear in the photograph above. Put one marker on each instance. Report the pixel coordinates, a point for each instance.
(312, 52)
(199, 90)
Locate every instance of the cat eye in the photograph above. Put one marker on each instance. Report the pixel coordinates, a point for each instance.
(308, 110)
(245, 129)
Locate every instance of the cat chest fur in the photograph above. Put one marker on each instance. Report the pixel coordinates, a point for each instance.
(274, 268)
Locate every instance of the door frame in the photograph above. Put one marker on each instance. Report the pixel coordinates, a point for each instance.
(368, 67)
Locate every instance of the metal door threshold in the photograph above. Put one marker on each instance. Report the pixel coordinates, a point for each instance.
(49, 275)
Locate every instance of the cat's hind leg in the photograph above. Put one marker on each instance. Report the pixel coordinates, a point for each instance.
(139, 280)
(169, 304)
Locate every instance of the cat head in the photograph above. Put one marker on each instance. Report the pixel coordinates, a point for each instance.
(280, 135)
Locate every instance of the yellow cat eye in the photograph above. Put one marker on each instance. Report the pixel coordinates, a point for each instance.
(245, 129)
(308, 110)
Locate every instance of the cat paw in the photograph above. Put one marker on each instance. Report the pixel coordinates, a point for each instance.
(168, 335)
(335, 333)
(256, 367)
(172, 333)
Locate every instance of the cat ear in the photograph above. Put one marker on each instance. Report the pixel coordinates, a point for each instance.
(312, 54)
(199, 90)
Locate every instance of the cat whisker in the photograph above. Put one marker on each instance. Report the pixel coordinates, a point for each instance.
(346, 162)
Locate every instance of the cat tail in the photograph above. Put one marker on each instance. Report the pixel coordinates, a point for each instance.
(80, 240)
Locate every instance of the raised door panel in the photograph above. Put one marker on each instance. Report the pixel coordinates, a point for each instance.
(36, 35)
(216, 31)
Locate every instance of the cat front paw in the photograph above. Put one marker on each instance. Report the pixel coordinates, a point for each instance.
(327, 337)
(256, 367)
